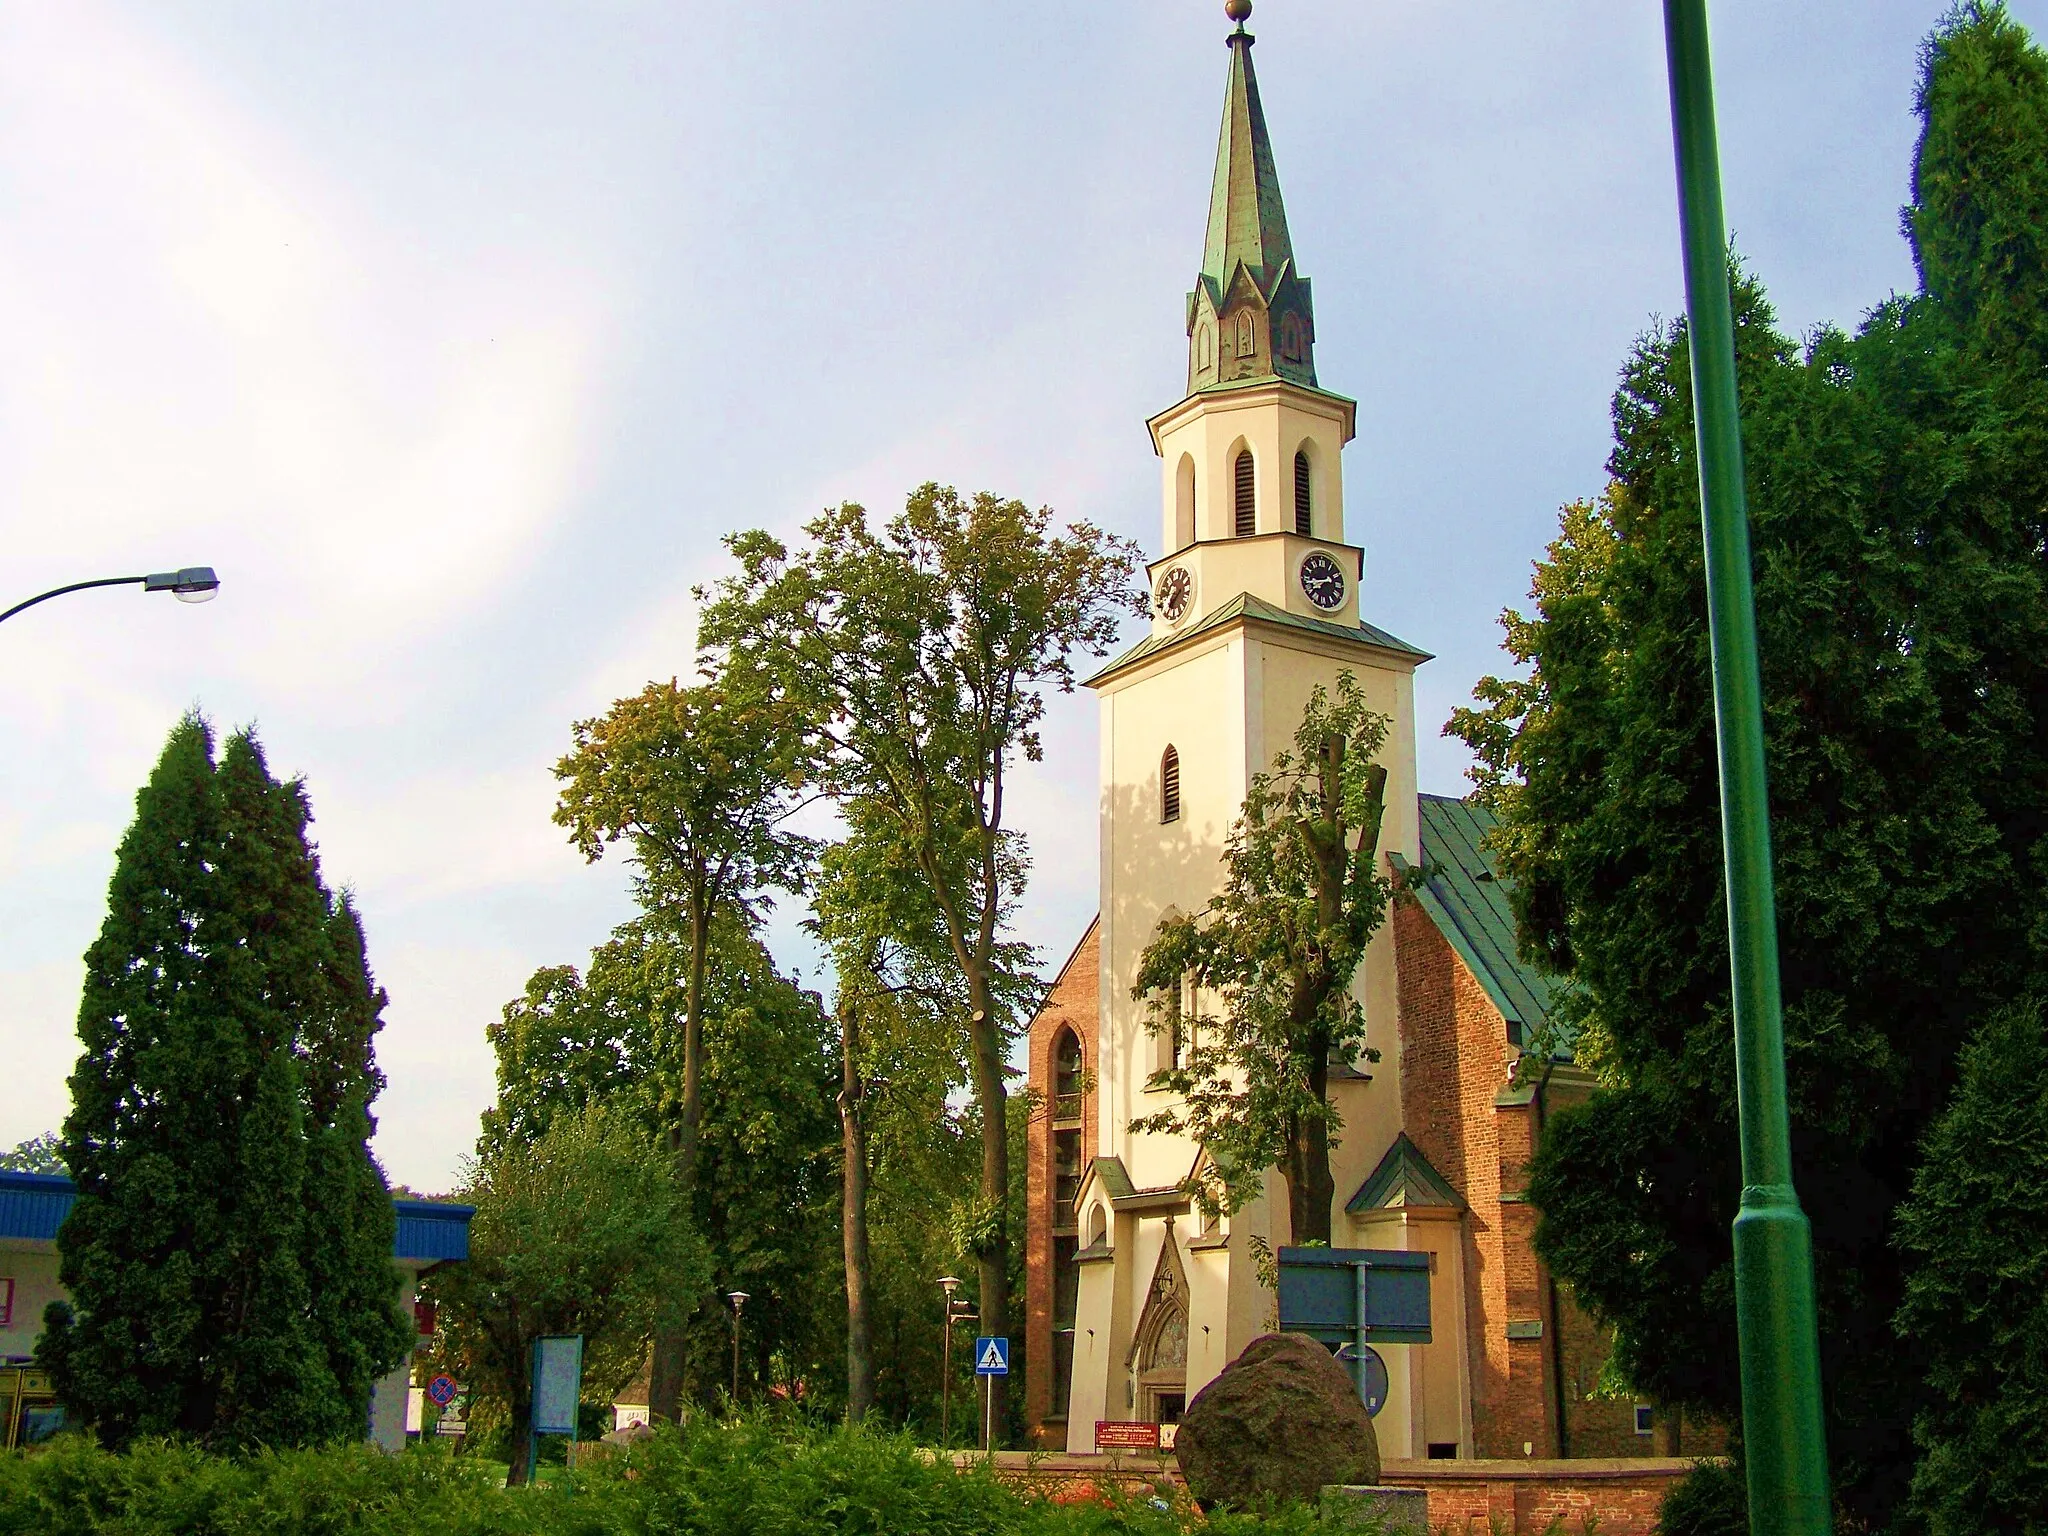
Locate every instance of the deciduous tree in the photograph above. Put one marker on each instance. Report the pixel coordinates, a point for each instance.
(922, 652)
(1304, 888)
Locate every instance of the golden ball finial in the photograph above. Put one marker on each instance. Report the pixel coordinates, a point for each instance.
(1238, 11)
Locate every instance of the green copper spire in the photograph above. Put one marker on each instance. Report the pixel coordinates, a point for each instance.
(1247, 222)
(1249, 317)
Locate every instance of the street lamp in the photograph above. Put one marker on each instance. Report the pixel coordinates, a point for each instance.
(193, 584)
(738, 1300)
(949, 1284)
(1784, 1443)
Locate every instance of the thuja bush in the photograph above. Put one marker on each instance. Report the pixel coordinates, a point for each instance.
(760, 1476)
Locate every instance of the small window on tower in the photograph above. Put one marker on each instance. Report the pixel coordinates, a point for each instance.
(1169, 785)
(1205, 347)
(1244, 333)
(1247, 517)
(1303, 506)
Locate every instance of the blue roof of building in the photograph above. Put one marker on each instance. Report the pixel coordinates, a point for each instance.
(34, 1205)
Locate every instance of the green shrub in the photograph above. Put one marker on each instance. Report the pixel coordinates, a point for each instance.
(760, 1476)
(1711, 1500)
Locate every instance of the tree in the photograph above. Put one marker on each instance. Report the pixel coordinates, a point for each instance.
(760, 1202)
(580, 1231)
(921, 652)
(701, 780)
(1976, 1227)
(1902, 602)
(1277, 946)
(900, 1021)
(228, 1258)
(39, 1154)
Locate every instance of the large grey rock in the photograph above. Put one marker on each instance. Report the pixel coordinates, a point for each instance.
(1280, 1424)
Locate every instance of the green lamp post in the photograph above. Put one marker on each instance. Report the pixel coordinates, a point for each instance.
(1784, 1443)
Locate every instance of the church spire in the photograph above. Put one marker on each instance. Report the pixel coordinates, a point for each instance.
(1247, 222)
(1250, 316)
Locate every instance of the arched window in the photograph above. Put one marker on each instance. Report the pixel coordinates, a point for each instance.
(1303, 506)
(1098, 1226)
(1204, 347)
(1244, 333)
(1066, 1076)
(1169, 785)
(1247, 516)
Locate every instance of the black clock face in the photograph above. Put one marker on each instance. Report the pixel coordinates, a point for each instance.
(1322, 581)
(1176, 589)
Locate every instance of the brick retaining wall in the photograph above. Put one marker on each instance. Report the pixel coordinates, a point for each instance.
(1466, 1498)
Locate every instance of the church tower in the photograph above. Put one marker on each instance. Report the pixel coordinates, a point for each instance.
(1255, 603)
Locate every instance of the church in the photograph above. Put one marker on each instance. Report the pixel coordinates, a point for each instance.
(1134, 1300)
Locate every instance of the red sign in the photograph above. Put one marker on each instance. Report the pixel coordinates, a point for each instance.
(423, 1317)
(1125, 1435)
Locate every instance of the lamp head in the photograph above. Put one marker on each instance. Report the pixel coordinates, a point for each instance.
(192, 584)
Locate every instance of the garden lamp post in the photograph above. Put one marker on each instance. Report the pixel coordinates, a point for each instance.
(949, 1284)
(1784, 1443)
(738, 1300)
(193, 584)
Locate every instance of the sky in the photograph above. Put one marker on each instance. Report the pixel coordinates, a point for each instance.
(457, 335)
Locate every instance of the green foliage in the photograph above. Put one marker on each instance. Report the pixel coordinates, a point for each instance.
(1976, 1225)
(1903, 613)
(39, 1154)
(1277, 947)
(920, 654)
(762, 1195)
(581, 1230)
(229, 1256)
(747, 1477)
(1710, 1500)
(1902, 602)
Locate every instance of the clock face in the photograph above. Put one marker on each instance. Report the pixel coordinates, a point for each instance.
(1322, 582)
(1176, 590)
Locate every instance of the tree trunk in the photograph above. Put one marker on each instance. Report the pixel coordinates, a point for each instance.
(665, 1364)
(522, 1424)
(853, 1218)
(1310, 1186)
(986, 1046)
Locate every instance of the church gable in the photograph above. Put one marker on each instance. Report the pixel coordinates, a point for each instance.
(1404, 1180)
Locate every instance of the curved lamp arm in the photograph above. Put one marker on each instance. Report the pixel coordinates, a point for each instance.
(193, 584)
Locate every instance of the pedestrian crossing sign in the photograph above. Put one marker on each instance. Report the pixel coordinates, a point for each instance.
(991, 1357)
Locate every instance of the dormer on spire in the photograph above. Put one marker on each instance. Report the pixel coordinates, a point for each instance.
(1250, 315)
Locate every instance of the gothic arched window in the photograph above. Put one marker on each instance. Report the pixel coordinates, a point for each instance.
(1066, 1076)
(1247, 516)
(1169, 785)
(1244, 333)
(1303, 505)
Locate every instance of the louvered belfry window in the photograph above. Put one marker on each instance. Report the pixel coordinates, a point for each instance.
(1169, 786)
(1247, 514)
(1302, 505)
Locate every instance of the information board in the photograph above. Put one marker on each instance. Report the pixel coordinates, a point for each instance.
(557, 1383)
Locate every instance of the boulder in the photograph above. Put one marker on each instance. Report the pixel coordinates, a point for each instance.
(1279, 1424)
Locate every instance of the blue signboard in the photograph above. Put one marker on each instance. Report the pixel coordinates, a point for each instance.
(991, 1357)
(557, 1383)
(1356, 1297)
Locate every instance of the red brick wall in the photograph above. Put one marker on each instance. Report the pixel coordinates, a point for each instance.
(1073, 1003)
(1522, 1498)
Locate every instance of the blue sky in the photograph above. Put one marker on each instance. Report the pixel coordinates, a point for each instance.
(457, 334)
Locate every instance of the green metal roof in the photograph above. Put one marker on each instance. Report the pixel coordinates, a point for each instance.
(1468, 902)
(1404, 1177)
(1257, 609)
(1247, 222)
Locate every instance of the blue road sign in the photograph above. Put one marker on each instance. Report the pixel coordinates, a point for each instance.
(991, 1357)
(442, 1390)
(1370, 1372)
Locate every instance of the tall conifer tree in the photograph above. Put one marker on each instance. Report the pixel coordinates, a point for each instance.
(228, 1258)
